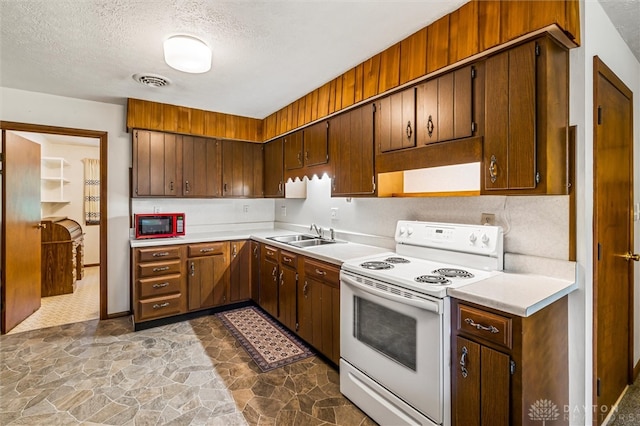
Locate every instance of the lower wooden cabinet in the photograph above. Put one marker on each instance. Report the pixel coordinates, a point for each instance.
(239, 271)
(207, 278)
(504, 367)
(159, 287)
(269, 279)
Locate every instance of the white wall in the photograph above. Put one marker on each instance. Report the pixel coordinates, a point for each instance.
(37, 108)
(599, 38)
(74, 192)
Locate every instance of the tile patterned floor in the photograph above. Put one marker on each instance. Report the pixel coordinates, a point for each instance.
(81, 305)
(189, 373)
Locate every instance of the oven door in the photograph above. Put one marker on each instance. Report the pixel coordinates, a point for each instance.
(397, 338)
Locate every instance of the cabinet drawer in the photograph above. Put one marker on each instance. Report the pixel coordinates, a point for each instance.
(152, 269)
(270, 253)
(207, 249)
(159, 286)
(322, 271)
(158, 253)
(288, 259)
(161, 307)
(485, 325)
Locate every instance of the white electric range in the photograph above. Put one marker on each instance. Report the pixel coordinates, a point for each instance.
(395, 318)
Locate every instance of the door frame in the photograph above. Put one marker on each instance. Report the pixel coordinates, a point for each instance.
(103, 136)
(600, 68)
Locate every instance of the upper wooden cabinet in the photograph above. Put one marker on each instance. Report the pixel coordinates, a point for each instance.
(200, 167)
(316, 144)
(273, 169)
(352, 155)
(157, 164)
(292, 146)
(242, 173)
(444, 107)
(396, 121)
(526, 119)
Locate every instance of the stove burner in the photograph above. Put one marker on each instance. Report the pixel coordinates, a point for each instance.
(453, 273)
(432, 279)
(376, 265)
(397, 260)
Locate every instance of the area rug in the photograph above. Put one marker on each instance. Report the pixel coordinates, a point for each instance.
(268, 343)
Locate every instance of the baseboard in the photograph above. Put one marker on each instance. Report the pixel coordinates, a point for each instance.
(636, 370)
(89, 265)
(118, 315)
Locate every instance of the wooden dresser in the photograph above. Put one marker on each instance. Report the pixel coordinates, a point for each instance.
(62, 255)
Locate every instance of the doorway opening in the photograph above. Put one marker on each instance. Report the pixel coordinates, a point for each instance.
(90, 283)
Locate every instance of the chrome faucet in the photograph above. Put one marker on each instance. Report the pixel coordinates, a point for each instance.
(332, 233)
(317, 228)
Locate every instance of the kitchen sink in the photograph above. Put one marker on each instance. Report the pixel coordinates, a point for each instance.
(293, 238)
(311, 243)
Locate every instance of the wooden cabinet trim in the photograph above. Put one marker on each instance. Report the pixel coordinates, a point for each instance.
(206, 249)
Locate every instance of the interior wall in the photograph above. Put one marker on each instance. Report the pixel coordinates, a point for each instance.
(74, 192)
(602, 39)
(38, 108)
(534, 226)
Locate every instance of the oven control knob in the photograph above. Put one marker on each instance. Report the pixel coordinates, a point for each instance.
(403, 230)
(485, 239)
(472, 238)
(409, 231)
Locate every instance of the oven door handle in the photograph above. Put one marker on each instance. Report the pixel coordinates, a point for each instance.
(427, 305)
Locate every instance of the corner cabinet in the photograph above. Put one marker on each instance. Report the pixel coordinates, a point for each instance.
(504, 366)
(527, 119)
(242, 169)
(352, 154)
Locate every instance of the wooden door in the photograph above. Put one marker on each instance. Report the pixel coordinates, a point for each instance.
(288, 278)
(352, 154)
(292, 147)
(316, 144)
(395, 121)
(201, 167)
(273, 169)
(239, 277)
(269, 286)
(21, 252)
(232, 168)
(613, 236)
(157, 161)
(206, 281)
(254, 176)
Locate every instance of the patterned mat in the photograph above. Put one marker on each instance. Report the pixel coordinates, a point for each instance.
(267, 342)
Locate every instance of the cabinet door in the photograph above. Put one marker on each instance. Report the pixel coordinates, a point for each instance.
(233, 169)
(201, 167)
(510, 106)
(466, 383)
(273, 169)
(395, 121)
(351, 142)
(463, 102)
(305, 311)
(427, 112)
(239, 285)
(316, 144)
(156, 160)
(495, 379)
(287, 296)
(269, 286)
(206, 282)
(255, 271)
(293, 150)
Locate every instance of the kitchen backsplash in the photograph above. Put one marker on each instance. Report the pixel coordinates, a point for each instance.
(533, 225)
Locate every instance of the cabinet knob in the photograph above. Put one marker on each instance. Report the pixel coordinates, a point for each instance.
(409, 130)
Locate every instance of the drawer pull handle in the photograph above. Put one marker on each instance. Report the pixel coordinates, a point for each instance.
(163, 268)
(305, 290)
(161, 305)
(286, 259)
(161, 254)
(493, 169)
(490, 328)
(319, 272)
(160, 285)
(206, 250)
(463, 362)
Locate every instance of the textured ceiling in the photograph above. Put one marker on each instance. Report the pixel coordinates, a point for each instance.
(625, 15)
(266, 54)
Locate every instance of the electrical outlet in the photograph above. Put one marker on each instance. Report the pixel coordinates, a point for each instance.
(488, 219)
(283, 211)
(334, 213)
(156, 209)
(245, 209)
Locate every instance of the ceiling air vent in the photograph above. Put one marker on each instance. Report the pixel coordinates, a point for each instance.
(152, 80)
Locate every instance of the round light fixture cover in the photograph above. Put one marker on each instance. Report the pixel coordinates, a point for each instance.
(187, 54)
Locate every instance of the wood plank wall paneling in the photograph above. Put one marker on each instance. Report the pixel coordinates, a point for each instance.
(179, 119)
(475, 27)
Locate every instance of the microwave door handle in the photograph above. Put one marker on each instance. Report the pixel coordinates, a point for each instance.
(427, 305)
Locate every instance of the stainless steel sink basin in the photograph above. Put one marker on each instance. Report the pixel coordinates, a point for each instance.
(292, 238)
(311, 243)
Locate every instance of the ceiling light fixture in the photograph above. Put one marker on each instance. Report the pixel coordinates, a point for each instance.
(187, 54)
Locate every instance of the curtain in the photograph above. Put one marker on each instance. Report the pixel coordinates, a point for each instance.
(91, 191)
